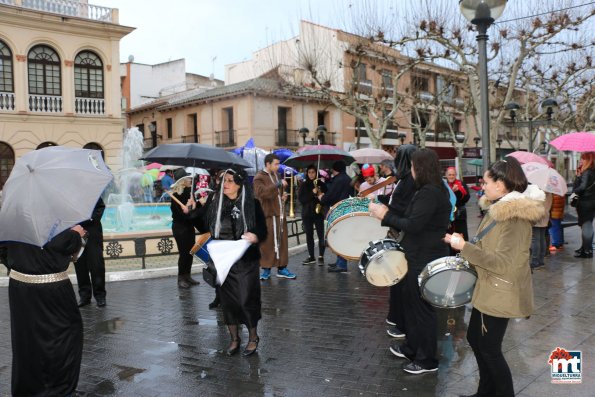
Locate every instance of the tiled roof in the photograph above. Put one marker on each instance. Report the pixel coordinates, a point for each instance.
(258, 85)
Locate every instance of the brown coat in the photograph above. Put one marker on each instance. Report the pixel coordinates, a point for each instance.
(269, 195)
(504, 286)
(558, 205)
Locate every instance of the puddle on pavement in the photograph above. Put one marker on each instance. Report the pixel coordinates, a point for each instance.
(271, 311)
(105, 387)
(109, 326)
(136, 375)
(127, 373)
(207, 321)
(163, 348)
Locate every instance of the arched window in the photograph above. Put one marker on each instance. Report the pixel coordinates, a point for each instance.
(45, 144)
(95, 146)
(6, 162)
(44, 71)
(6, 82)
(88, 75)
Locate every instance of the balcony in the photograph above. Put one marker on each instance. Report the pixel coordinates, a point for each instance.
(189, 139)
(225, 138)
(288, 138)
(364, 87)
(7, 100)
(71, 8)
(151, 142)
(45, 103)
(425, 96)
(89, 106)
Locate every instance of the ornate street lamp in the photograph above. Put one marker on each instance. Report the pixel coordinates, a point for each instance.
(476, 140)
(321, 133)
(153, 130)
(548, 106)
(304, 133)
(483, 13)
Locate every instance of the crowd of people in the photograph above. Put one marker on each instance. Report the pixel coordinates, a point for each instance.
(422, 205)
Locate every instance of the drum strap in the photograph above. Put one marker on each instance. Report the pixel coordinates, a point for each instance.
(483, 232)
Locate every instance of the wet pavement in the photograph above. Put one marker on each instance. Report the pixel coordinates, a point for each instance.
(322, 334)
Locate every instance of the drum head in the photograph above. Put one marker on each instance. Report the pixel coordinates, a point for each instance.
(449, 288)
(349, 235)
(386, 268)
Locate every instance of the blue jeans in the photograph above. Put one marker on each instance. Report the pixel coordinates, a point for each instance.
(341, 262)
(556, 232)
(538, 246)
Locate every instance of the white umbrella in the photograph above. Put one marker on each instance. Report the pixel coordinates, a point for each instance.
(170, 168)
(196, 171)
(370, 156)
(546, 178)
(50, 190)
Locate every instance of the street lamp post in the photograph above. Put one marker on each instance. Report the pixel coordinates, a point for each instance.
(549, 106)
(499, 143)
(483, 13)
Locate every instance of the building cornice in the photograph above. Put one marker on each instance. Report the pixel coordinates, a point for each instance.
(39, 20)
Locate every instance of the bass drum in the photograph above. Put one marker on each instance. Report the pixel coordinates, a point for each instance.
(349, 227)
(383, 263)
(447, 282)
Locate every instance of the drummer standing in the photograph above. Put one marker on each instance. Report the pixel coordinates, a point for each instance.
(338, 189)
(424, 223)
(269, 190)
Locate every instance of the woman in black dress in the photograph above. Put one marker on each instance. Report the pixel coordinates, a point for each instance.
(234, 214)
(307, 195)
(45, 321)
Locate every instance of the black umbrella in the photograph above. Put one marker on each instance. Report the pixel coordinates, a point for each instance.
(194, 155)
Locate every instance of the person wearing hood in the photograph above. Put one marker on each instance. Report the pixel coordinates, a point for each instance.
(504, 288)
(397, 203)
(312, 213)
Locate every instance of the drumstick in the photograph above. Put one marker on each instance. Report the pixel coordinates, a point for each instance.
(202, 238)
(378, 186)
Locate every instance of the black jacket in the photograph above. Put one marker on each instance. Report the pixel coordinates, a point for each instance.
(178, 215)
(93, 225)
(402, 195)
(584, 185)
(307, 198)
(425, 222)
(338, 189)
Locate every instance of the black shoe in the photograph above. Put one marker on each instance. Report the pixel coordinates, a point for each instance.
(183, 284)
(192, 281)
(84, 302)
(578, 251)
(414, 368)
(584, 254)
(215, 304)
(331, 265)
(321, 260)
(247, 352)
(337, 269)
(394, 332)
(100, 302)
(233, 350)
(395, 348)
(469, 395)
(309, 261)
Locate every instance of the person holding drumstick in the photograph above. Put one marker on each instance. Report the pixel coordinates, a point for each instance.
(504, 288)
(424, 223)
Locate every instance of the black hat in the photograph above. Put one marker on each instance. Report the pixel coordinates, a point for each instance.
(180, 173)
(339, 166)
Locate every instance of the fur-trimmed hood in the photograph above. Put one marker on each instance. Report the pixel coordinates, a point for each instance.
(527, 205)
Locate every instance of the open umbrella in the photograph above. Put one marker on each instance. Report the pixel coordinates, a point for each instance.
(50, 190)
(546, 178)
(528, 157)
(575, 142)
(475, 162)
(370, 155)
(153, 166)
(194, 155)
(320, 155)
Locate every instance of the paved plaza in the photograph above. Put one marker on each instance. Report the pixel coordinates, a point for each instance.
(322, 334)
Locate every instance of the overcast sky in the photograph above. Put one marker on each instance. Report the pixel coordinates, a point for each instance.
(200, 30)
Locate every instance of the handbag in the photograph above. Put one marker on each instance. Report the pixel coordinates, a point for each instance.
(574, 200)
(209, 274)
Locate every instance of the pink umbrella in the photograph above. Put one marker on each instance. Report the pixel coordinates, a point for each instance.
(152, 166)
(546, 178)
(370, 155)
(575, 142)
(528, 157)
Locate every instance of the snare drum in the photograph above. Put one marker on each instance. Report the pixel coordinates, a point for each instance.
(447, 282)
(349, 227)
(383, 263)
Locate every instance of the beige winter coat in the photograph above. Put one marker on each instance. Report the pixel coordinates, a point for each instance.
(501, 258)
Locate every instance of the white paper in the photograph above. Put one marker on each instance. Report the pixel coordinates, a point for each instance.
(224, 253)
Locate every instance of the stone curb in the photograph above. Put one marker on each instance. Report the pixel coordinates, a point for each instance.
(142, 274)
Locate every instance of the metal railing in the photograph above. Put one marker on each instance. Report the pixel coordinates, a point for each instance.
(89, 106)
(66, 7)
(190, 139)
(285, 137)
(225, 138)
(45, 103)
(7, 100)
(149, 144)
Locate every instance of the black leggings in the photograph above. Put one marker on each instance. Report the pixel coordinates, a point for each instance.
(495, 378)
(184, 236)
(309, 223)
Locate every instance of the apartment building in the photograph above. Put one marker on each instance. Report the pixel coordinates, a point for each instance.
(59, 78)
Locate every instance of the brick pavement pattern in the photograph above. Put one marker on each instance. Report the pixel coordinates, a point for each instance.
(321, 335)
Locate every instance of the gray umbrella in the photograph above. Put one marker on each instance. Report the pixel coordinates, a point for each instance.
(50, 190)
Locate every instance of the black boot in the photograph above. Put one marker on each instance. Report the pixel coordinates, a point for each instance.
(183, 283)
(584, 254)
(215, 304)
(191, 280)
